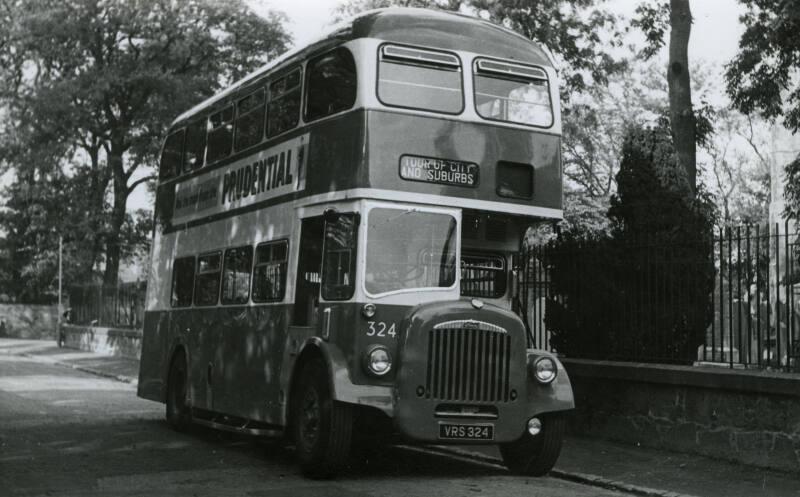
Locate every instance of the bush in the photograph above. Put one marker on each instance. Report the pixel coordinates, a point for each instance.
(643, 291)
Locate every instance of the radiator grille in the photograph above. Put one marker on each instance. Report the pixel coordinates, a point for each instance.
(468, 361)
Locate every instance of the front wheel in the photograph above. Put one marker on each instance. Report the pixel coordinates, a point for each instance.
(322, 428)
(536, 455)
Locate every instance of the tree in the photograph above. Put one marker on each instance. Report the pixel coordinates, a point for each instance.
(681, 114)
(653, 21)
(642, 292)
(579, 33)
(595, 127)
(792, 191)
(353, 7)
(100, 81)
(36, 206)
(763, 77)
(595, 130)
(739, 169)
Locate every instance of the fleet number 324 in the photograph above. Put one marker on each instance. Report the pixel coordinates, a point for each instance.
(381, 329)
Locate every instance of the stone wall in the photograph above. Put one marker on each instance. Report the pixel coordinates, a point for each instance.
(28, 321)
(106, 341)
(742, 416)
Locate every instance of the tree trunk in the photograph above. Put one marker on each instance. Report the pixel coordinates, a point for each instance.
(98, 182)
(681, 114)
(113, 249)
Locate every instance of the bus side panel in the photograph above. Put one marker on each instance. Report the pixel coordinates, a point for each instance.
(248, 361)
(198, 331)
(155, 357)
(336, 158)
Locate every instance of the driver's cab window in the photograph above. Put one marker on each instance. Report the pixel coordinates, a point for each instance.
(339, 261)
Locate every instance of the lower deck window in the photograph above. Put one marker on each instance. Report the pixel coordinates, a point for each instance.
(182, 282)
(206, 287)
(236, 275)
(269, 273)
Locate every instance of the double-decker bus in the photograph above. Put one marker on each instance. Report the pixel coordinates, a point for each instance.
(333, 245)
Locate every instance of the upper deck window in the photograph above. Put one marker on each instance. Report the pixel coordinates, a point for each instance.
(195, 145)
(420, 79)
(512, 93)
(171, 155)
(331, 84)
(250, 120)
(283, 109)
(220, 136)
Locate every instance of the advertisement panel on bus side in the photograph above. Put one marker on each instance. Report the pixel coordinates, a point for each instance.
(270, 173)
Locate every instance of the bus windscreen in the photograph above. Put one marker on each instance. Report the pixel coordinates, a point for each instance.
(409, 249)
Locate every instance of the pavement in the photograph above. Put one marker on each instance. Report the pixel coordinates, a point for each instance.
(613, 466)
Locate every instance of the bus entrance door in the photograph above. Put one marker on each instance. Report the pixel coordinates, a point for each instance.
(307, 285)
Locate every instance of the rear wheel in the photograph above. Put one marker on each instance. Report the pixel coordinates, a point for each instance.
(536, 455)
(322, 428)
(178, 412)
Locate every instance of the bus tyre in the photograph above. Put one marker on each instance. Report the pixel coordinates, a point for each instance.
(322, 428)
(178, 410)
(536, 455)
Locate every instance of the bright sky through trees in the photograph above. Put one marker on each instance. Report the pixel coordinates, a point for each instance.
(715, 33)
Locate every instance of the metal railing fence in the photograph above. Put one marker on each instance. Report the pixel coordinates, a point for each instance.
(732, 300)
(112, 306)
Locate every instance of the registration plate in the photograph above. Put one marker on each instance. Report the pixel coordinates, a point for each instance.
(456, 431)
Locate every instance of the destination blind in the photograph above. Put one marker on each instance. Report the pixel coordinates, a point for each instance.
(439, 171)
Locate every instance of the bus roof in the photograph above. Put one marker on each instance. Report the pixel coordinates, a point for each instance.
(408, 25)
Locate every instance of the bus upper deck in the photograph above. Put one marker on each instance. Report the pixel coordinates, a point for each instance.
(397, 104)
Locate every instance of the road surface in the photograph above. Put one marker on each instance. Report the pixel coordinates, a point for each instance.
(68, 433)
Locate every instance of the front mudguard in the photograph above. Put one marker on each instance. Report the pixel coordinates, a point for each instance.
(552, 397)
(342, 387)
